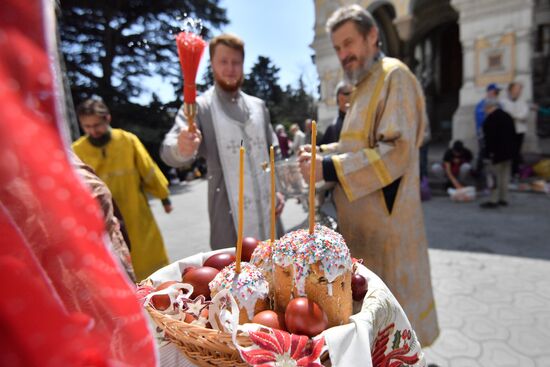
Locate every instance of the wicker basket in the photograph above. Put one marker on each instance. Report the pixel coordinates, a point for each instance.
(202, 346)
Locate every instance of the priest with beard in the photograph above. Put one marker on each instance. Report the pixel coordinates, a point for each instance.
(121, 161)
(375, 167)
(227, 117)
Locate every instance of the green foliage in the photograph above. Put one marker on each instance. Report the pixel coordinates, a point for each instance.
(109, 46)
(285, 107)
(207, 79)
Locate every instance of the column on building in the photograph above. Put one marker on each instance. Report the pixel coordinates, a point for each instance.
(495, 36)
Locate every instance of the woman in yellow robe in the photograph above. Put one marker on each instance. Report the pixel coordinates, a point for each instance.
(122, 162)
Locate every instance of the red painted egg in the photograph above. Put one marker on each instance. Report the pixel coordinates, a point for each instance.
(272, 319)
(305, 317)
(219, 261)
(162, 301)
(199, 279)
(359, 287)
(190, 267)
(249, 245)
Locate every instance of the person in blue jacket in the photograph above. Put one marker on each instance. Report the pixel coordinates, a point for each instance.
(492, 92)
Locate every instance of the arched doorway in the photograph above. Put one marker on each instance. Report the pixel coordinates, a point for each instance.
(384, 14)
(435, 55)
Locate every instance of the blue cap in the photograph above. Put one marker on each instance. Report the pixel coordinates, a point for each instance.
(493, 86)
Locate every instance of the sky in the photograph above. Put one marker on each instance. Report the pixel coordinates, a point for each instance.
(281, 30)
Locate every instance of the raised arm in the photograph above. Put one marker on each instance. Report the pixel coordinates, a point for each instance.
(179, 147)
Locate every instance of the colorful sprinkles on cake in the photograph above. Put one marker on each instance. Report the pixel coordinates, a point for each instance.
(285, 249)
(247, 287)
(302, 250)
(261, 257)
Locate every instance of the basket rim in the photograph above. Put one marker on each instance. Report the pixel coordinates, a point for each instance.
(157, 315)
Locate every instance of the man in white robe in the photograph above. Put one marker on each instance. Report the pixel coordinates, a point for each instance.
(225, 117)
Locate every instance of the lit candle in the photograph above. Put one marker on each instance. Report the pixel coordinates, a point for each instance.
(241, 210)
(272, 167)
(312, 177)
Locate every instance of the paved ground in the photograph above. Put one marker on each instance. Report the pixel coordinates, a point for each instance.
(490, 271)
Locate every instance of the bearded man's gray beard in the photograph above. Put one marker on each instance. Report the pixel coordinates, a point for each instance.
(353, 77)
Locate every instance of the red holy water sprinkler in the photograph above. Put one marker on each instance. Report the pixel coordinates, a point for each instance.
(190, 49)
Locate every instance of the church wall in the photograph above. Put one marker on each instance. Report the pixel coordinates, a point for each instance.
(489, 29)
(485, 28)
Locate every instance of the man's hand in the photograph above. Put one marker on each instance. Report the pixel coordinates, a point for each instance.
(304, 148)
(279, 203)
(304, 160)
(188, 143)
(168, 208)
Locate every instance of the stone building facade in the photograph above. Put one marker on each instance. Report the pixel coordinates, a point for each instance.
(455, 47)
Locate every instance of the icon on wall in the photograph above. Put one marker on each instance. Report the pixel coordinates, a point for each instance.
(495, 59)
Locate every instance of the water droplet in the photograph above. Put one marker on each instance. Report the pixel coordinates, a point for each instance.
(217, 189)
(192, 25)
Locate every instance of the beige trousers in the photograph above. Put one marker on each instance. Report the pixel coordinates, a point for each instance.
(502, 172)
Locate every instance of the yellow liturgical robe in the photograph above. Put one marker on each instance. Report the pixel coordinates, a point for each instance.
(376, 161)
(129, 172)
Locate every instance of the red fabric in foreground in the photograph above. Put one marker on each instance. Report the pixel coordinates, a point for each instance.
(65, 299)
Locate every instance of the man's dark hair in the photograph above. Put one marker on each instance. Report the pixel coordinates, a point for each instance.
(458, 146)
(228, 40)
(92, 106)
